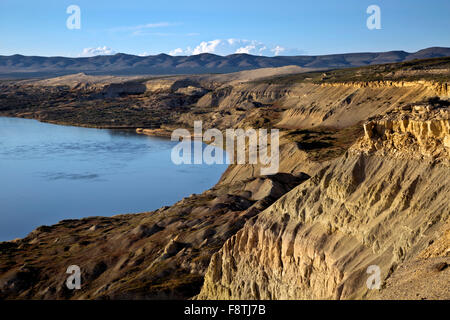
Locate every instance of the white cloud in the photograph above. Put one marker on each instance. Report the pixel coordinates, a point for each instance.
(176, 52)
(159, 34)
(230, 46)
(277, 50)
(90, 52)
(148, 30)
(207, 47)
(144, 26)
(247, 49)
(153, 25)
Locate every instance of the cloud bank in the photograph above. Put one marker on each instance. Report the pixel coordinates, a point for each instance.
(99, 51)
(230, 46)
(218, 46)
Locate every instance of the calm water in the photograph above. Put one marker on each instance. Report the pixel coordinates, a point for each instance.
(49, 173)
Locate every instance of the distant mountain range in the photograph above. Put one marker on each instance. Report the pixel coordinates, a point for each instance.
(17, 66)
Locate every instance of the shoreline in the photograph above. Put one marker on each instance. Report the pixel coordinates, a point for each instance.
(128, 129)
(138, 130)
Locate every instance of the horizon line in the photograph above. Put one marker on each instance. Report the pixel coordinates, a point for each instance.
(222, 56)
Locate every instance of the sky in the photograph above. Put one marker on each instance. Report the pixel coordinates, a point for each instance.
(281, 27)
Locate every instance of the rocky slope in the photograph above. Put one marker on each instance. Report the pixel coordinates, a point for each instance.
(363, 181)
(154, 255)
(384, 203)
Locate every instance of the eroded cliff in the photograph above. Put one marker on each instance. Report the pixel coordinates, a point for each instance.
(383, 203)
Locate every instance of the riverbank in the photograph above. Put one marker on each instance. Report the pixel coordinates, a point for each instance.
(111, 170)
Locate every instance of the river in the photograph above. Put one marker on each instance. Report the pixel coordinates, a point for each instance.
(51, 172)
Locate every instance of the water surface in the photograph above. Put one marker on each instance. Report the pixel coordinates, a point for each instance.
(49, 173)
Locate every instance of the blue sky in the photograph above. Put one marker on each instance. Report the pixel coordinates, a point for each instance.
(191, 27)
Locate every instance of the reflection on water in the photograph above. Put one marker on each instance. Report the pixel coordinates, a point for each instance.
(49, 173)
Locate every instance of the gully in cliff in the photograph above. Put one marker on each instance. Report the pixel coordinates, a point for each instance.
(213, 153)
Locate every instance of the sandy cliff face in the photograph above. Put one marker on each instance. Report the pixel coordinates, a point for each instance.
(441, 89)
(306, 105)
(379, 205)
(418, 131)
(154, 255)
